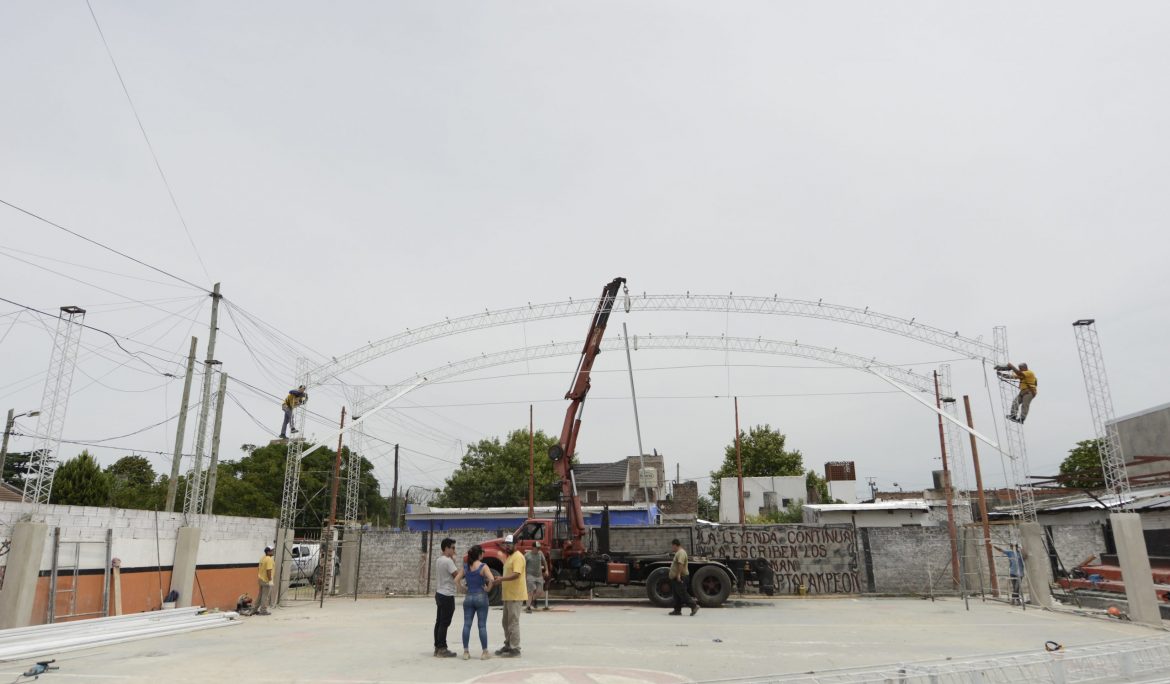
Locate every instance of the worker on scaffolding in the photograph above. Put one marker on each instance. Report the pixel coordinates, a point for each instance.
(295, 398)
(1027, 379)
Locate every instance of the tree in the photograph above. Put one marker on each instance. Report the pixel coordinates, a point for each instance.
(792, 514)
(16, 468)
(80, 482)
(132, 483)
(708, 509)
(817, 487)
(1081, 469)
(495, 474)
(763, 454)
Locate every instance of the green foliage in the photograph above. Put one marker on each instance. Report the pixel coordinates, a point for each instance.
(708, 509)
(818, 487)
(16, 468)
(133, 484)
(1081, 469)
(763, 454)
(794, 513)
(495, 474)
(80, 482)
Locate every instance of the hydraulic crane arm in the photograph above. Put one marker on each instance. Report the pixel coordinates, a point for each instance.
(561, 453)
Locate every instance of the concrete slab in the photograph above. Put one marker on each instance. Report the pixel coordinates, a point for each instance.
(389, 640)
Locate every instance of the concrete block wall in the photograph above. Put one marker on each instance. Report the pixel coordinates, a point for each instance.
(396, 562)
(907, 560)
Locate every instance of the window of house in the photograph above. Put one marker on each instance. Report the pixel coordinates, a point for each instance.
(591, 496)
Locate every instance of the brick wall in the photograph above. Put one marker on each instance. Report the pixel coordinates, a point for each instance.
(684, 501)
(396, 562)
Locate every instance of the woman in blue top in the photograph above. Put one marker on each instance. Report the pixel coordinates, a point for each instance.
(475, 605)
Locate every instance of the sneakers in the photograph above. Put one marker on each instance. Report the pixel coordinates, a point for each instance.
(486, 655)
(675, 612)
(528, 609)
(293, 430)
(505, 649)
(511, 653)
(466, 655)
(444, 653)
(694, 609)
(1014, 419)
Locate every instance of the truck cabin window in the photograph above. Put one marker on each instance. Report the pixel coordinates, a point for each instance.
(531, 531)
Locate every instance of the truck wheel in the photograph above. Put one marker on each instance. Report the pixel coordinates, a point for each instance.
(710, 586)
(497, 592)
(658, 588)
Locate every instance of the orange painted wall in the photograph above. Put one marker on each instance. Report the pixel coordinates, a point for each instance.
(221, 588)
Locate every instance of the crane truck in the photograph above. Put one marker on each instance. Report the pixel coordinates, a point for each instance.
(563, 538)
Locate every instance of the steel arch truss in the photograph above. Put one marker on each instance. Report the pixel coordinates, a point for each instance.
(974, 348)
(910, 378)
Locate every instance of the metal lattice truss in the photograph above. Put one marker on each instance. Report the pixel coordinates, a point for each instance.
(292, 462)
(353, 466)
(954, 438)
(1101, 407)
(1013, 445)
(1129, 661)
(974, 348)
(38, 486)
(753, 345)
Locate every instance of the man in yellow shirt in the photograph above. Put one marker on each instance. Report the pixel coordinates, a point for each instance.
(679, 573)
(515, 596)
(294, 399)
(266, 571)
(1027, 378)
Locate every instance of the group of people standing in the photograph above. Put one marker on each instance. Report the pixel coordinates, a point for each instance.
(521, 582)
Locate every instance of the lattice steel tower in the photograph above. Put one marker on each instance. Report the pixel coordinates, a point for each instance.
(38, 486)
(1101, 406)
(1013, 446)
(292, 462)
(353, 465)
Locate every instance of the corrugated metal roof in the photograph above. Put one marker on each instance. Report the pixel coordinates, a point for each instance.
(899, 505)
(1148, 499)
(10, 493)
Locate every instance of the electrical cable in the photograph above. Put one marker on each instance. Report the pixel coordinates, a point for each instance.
(142, 128)
(88, 268)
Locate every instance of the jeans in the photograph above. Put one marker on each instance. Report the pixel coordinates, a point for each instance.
(512, 624)
(1022, 402)
(288, 422)
(681, 595)
(475, 607)
(444, 611)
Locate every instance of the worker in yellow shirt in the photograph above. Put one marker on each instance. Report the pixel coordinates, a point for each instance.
(295, 398)
(515, 596)
(1027, 378)
(267, 573)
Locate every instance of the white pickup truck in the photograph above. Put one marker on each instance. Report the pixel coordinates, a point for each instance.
(306, 563)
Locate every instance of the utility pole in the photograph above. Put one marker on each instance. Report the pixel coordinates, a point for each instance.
(982, 499)
(336, 477)
(942, 443)
(394, 492)
(213, 469)
(531, 465)
(195, 486)
(173, 483)
(8, 431)
(739, 464)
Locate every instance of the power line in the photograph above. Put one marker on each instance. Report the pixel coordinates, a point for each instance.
(103, 246)
(157, 165)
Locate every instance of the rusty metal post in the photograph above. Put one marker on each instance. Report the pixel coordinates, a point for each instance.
(947, 486)
(739, 465)
(531, 465)
(982, 500)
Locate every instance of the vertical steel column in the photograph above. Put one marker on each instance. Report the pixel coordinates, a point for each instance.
(1101, 407)
(292, 461)
(193, 501)
(353, 465)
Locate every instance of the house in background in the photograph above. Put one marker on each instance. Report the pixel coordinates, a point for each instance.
(621, 482)
(761, 495)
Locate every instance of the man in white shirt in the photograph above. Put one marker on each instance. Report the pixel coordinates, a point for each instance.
(445, 571)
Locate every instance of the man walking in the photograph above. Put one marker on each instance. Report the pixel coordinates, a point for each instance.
(1027, 378)
(678, 580)
(445, 571)
(294, 399)
(515, 595)
(537, 569)
(267, 571)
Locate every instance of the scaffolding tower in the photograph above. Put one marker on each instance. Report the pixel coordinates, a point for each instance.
(1013, 445)
(353, 466)
(38, 486)
(954, 441)
(1101, 407)
(292, 462)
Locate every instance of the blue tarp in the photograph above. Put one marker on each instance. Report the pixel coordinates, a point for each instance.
(467, 521)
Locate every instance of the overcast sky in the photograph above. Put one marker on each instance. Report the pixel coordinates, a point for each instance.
(348, 171)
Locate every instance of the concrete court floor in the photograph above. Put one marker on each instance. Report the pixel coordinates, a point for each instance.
(389, 640)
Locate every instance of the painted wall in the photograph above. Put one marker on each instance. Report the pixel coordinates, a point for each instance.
(791, 488)
(144, 541)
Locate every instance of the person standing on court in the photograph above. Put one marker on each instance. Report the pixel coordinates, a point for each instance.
(445, 571)
(267, 572)
(475, 604)
(515, 595)
(678, 580)
(537, 568)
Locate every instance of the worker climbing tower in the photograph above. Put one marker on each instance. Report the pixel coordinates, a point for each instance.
(292, 463)
(1101, 407)
(1013, 445)
(38, 486)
